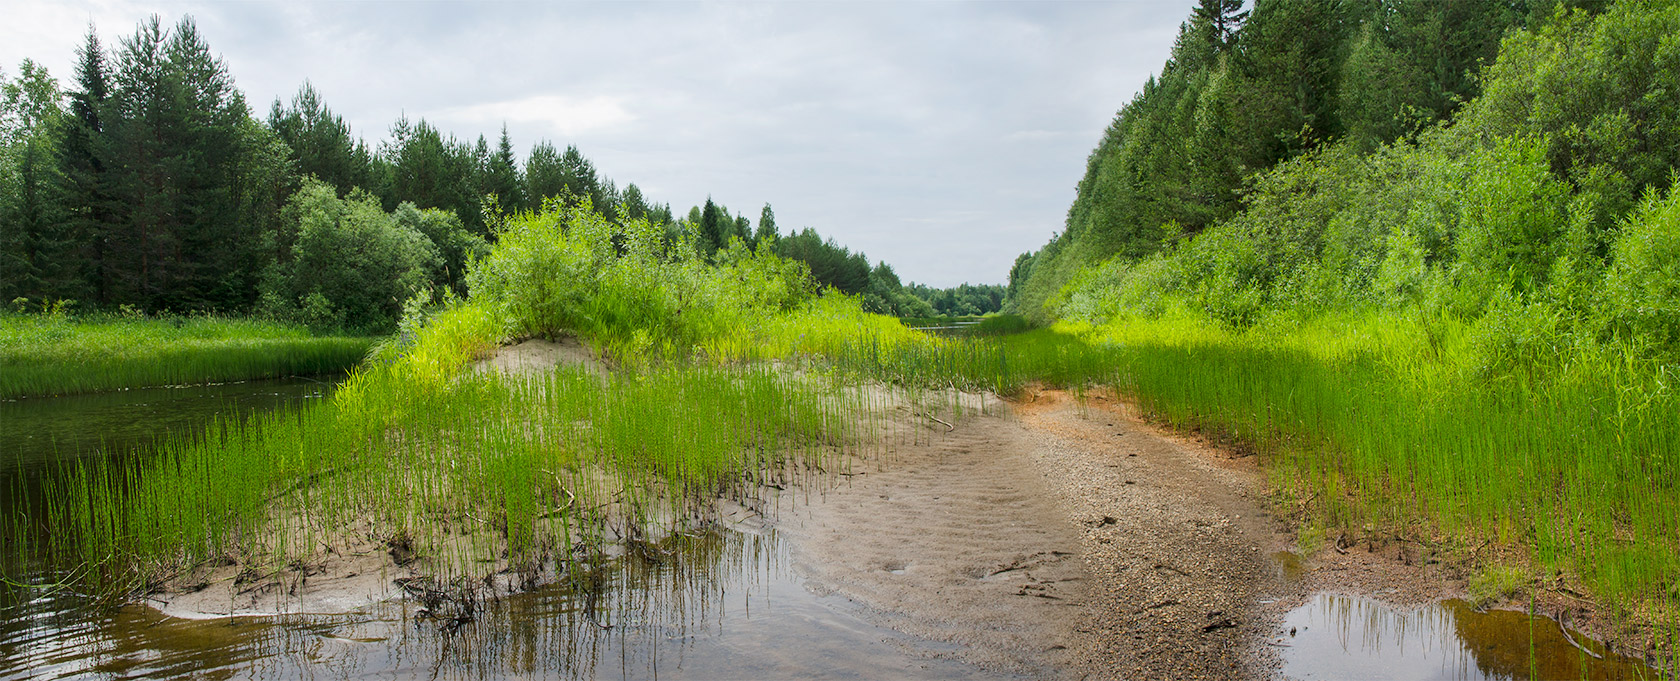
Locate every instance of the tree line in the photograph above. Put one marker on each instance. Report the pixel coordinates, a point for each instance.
(1245, 90)
(1534, 210)
(149, 184)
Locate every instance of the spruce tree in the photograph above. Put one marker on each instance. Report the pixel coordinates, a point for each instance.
(87, 192)
(766, 227)
(501, 176)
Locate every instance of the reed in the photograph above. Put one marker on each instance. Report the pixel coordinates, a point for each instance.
(1566, 470)
(60, 355)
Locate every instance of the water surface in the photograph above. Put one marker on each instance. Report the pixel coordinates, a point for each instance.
(1351, 637)
(716, 603)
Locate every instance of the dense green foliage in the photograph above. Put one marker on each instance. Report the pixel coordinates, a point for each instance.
(53, 353)
(1241, 94)
(463, 467)
(1541, 239)
(962, 301)
(1444, 307)
(571, 270)
(149, 184)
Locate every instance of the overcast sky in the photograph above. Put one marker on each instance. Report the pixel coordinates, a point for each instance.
(944, 138)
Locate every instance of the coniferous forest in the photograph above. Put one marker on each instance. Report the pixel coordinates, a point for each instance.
(145, 181)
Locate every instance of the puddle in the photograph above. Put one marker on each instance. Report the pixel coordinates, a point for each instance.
(1289, 567)
(722, 604)
(1350, 637)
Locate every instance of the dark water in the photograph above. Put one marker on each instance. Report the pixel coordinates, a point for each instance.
(1350, 637)
(724, 603)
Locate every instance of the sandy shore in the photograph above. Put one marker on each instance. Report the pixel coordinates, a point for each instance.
(1053, 538)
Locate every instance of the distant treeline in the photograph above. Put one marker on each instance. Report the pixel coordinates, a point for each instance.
(149, 184)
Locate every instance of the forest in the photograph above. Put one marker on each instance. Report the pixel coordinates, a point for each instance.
(1412, 267)
(148, 183)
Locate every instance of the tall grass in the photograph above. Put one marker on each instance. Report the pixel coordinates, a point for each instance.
(1373, 428)
(522, 472)
(60, 355)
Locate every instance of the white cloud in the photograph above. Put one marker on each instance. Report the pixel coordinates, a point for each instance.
(564, 115)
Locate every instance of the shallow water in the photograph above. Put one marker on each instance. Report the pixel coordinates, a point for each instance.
(719, 604)
(1350, 637)
(722, 604)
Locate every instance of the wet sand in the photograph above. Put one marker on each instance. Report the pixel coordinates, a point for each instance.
(1053, 541)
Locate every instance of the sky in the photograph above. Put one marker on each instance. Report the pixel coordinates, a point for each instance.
(944, 138)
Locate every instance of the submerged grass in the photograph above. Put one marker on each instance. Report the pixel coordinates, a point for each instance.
(60, 355)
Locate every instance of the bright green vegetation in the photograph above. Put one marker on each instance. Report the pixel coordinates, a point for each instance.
(1444, 310)
(1370, 430)
(422, 454)
(525, 470)
(55, 354)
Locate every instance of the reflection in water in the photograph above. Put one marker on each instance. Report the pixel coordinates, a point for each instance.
(719, 604)
(1341, 637)
(714, 604)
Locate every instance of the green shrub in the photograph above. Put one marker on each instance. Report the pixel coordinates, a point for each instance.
(1643, 284)
(345, 262)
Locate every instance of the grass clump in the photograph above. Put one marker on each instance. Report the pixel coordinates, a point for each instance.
(1495, 583)
(60, 354)
(471, 472)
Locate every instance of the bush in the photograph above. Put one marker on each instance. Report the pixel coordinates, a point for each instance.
(347, 263)
(1643, 285)
(570, 270)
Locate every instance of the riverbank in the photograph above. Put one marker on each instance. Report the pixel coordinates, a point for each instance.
(1053, 536)
(62, 355)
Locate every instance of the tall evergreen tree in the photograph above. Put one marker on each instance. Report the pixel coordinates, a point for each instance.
(713, 232)
(766, 226)
(33, 240)
(88, 194)
(1218, 21)
(321, 142)
(501, 176)
(544, 176)
(433, 171)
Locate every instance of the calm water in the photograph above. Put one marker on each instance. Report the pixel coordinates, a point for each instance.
(1350, 637)
(720, 604)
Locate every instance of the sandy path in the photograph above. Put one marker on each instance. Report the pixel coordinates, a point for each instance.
(1055, 541)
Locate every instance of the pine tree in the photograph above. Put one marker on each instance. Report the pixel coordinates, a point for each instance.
(544, 177)
(501, 176)
(766, 227)
(87, 192)
(321, 142)
(33, 242)
(713, 234)
(1221, 19)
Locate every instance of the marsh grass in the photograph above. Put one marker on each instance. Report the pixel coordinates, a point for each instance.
(1565, 472)
(61, 355)
(521, 472)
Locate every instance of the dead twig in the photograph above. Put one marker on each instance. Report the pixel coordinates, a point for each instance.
(935, 419)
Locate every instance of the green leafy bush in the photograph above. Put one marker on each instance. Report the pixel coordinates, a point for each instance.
(1643, 286)
(344, 263)
(569, 270)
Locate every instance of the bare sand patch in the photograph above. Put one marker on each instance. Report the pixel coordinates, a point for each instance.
(536, 355)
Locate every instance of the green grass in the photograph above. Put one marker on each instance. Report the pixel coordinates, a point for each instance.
(59, 355)
(1372, 428)
(460, 467)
